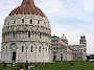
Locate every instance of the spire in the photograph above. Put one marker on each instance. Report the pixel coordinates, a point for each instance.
(28, 2)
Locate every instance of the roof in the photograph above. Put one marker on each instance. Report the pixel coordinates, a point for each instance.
(27, 7)
(64, 38)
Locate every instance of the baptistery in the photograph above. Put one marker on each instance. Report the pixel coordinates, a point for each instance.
(26, 35)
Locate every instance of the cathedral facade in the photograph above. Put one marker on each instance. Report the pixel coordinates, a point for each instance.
(62, 51)
(26, 35)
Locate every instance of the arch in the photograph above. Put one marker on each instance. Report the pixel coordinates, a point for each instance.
(22, 48)
(13, 46)
(40, 35)
(30, 21)
(40, 49)
(29, 34)
(61, 57)
(22, 20)
(31, 48)
(54, 56)
(13, 56)
(46, 49)
(38, 21)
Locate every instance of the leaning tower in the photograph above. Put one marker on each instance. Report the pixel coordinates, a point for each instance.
(26, 35)
(83, 43)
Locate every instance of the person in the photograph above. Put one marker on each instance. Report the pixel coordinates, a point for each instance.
(21, 67)
(26, 65)
(29, 67)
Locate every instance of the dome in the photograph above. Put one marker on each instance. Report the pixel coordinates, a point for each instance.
(64, 38)
(27, 7)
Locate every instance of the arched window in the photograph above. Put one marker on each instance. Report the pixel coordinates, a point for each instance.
(22, 48)
(40, 35)
(22, 20)
(61, 57)
(46, 49)
(14, 21)
(54, 56)
(39, 49)
(14, 56)
(38, 21)
(28, 34)
(31, 21)
(31, 48)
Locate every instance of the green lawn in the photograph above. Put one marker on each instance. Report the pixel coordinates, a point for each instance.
(57, 66)
(67, 66)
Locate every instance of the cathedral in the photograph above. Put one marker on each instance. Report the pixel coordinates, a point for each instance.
(26, 37)
(62, 51)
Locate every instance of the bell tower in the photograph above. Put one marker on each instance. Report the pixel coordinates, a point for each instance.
(83, 40)
(84, 43)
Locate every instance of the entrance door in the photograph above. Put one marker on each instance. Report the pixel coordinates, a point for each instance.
(61, 57)
(54, 58)
(14, 56)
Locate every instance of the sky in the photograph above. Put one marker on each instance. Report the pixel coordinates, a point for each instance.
(70, 17)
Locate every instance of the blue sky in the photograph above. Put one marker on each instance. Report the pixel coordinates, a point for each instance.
(71, 17)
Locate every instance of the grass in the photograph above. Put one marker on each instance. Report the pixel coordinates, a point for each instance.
(57, 66)
(67, 66)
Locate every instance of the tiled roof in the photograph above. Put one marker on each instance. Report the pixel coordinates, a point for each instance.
(27, 7)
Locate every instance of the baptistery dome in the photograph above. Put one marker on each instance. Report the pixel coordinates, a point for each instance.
(27, 7)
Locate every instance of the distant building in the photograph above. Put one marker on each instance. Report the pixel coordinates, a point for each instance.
(64, 52)
(59, 48)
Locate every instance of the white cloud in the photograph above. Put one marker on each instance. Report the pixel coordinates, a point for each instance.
(89, 6)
